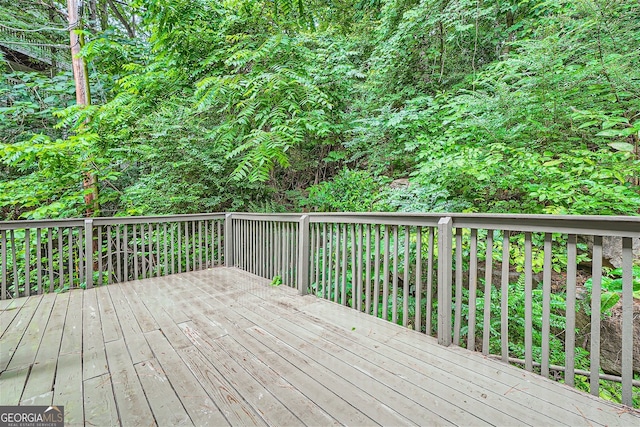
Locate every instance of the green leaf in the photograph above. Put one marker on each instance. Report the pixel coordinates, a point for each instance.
(608, 300)
(622, 146)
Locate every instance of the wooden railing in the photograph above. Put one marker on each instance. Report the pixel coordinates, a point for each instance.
(524, 289)
(430, 273)
(50, 256)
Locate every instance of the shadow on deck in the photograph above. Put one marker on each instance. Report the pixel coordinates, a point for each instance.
(221, 346)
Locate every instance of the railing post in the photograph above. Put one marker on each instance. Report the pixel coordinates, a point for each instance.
(228, 240)
(88, 252)
(303, 254)
(445, 279)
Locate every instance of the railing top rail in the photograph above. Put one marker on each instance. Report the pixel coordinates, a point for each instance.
(79, 222)
(625, 226)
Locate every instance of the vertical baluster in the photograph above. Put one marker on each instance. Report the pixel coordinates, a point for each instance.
(367, 278)
(109, 255)
(207, 224)
(166, 250)
(570, 336)
(358, 293)
(152, 255)
(144, 262)
(488, 277)
(38, 259)
(27, 262)
(179, 254)
(119, 251)
(193, 245)
(125, 255)
(418, 318)
(627, 321)
(344, 266)
(199, 245)
(429, 303)
(473, 284)
(313, 285)
(546, 305)
(354, 270)
(528, 303)
(70, 254)
(277, 250)
(243, 242)
(187, 245)
(14, 261)
(376, 272)
(214, 224)
(270, 272)
(81, 255)
(135, 252)
(254, 246)
(318, 264)
(219, 242)
(385, 275)
(504, 303)
(336, 289)
(294, 254)
(60, 258)
(3, 256)
(158, 252)
(285, 251)
(596, 287)
(330, 259)
(260, 241)
(394, 302)
(405, 284)
(49, 259)
(458, 313)
(173, 247)
(99, 255)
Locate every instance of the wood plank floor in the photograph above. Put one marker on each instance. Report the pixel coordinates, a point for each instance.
(223, 347)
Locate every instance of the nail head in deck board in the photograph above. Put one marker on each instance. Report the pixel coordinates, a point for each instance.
(129, 396)
(201, 409)
(99, 403)
(136, 344)
(25, 352)
(94, 358)
(12, 385)
(165, 405)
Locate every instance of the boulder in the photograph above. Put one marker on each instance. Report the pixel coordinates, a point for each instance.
(611, 338)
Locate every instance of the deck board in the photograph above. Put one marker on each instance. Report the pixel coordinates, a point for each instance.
(223, 347)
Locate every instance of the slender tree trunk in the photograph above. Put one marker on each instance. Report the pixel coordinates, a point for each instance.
(83, 98)
(122, 19)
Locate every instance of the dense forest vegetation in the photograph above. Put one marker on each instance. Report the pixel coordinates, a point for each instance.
(260, 105)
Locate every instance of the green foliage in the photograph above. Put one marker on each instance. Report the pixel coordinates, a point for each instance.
(349, 191)
(612, 288)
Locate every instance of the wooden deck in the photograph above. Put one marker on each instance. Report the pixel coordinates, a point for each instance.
(223, 347)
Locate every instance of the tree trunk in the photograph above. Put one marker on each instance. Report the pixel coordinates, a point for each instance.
(83, 98)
